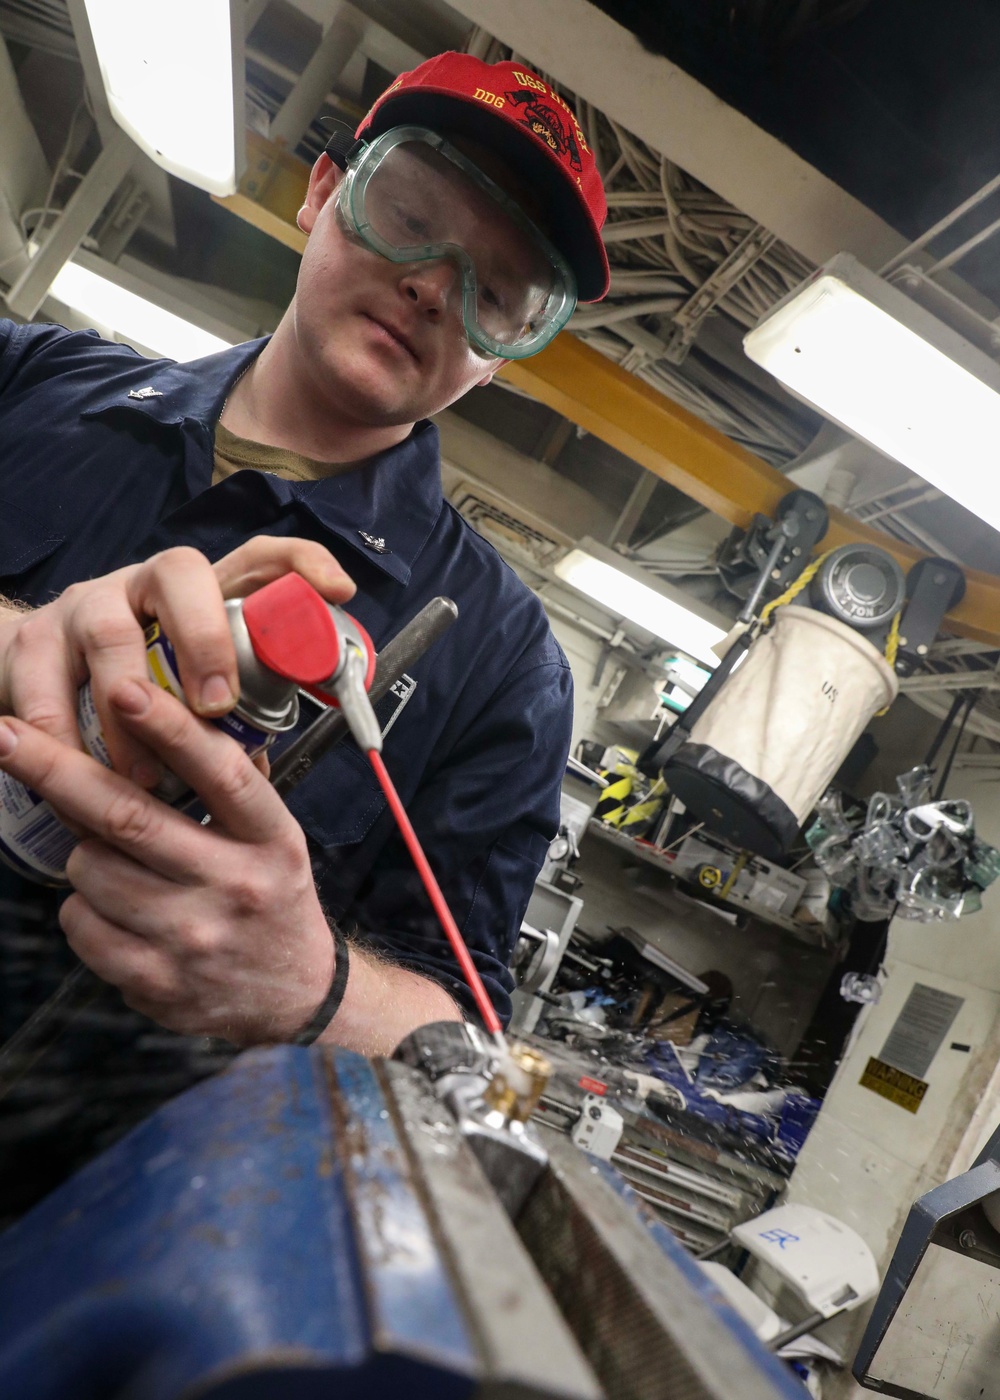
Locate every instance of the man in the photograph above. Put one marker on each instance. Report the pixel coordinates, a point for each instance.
(428, 263)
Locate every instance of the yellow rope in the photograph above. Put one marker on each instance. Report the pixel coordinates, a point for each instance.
(891, 649)
(892, 641)
(793, 591)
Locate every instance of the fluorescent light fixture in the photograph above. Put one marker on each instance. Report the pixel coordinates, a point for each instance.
(620, 588)
(112, 307)
(869, 358)
(174, 78)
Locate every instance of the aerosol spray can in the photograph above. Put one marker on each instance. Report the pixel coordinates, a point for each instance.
(306, 642)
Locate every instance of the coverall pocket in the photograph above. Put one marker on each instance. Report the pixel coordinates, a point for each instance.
(340, 800)
(24, 542)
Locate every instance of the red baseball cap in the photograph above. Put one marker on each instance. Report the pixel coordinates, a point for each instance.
(521, 117)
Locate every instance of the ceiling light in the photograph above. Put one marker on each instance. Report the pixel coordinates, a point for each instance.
(113, 308)
(620, 588)
(869, 358)
(174, 78)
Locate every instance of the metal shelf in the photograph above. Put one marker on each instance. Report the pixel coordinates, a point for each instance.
(812, 934)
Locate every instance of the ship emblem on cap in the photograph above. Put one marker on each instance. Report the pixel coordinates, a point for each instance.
(147, 393)
(546, 123)
(375, 542)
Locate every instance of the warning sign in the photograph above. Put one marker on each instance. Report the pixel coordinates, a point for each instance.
(893, 1084)
(920, 1029)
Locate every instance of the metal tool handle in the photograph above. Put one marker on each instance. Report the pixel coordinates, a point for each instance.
(30, 1041)
(396, 657)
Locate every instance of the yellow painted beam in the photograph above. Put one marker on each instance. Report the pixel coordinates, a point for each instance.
(263, 218)
(271, 191)
(623, 411)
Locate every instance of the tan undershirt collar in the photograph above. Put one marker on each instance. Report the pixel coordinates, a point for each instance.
(233, 454)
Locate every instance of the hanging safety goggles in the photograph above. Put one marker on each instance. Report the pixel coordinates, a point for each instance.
(412, 197)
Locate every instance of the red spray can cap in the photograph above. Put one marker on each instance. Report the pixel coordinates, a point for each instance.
(297, 634)
(292, 630)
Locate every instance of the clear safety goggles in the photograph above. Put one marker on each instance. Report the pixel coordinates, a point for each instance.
(412, 197)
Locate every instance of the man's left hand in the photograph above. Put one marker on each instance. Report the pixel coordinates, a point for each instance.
(209, 930)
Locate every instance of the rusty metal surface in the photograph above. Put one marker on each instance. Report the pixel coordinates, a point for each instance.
(413, 1307)
(213, 1252)
(649, 1322)
(526, 1348)
(311, 1222)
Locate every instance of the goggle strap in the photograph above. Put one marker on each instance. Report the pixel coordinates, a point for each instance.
(343, 145)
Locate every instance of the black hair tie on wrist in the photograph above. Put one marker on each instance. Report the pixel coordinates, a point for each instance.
(330, 1004)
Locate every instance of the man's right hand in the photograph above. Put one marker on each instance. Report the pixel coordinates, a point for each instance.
(95, 629)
